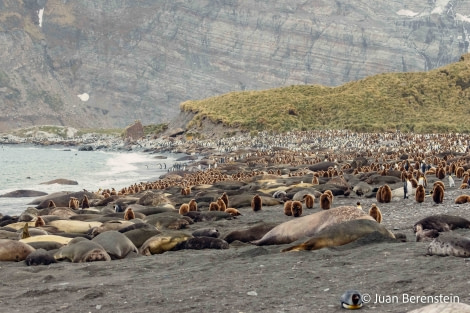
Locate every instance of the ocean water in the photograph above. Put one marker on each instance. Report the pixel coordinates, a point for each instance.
(27, 167)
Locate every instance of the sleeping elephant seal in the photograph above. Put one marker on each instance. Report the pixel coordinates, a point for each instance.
(163, 242)
(309, 225)
(82, 250)
(448, 244)
(251, 233)
(202, 242)
(341, 234)
(14, 250)
(116, 244)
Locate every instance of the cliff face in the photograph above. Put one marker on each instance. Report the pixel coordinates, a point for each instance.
(108, 63)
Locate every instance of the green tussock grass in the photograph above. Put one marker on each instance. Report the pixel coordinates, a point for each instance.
(436, 101)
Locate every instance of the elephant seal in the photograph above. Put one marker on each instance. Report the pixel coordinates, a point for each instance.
(341, 234)
(442, 222)
(163, 242)
(14, 250)
(70, 226)
(46, 245)
(140, 233)
(110, 225)
(448, 244)
(251, 233)
(116, 244)
(83, 250)
(202, 242)
(60, 239)
(309, 225)
(40, 257)
(206, 232)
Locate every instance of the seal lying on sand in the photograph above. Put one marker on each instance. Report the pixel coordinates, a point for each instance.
(341, 234)
(443, 222)
(309, 225)
(449, 244)
(429, 227)
(82, 250)
(13, 250)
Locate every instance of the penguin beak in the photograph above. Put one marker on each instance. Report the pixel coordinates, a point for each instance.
(352, 306)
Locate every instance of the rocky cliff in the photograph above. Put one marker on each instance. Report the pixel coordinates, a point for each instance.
(108, 63)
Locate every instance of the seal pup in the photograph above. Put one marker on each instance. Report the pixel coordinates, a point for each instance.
(375, 212)
(309, 201)
(201, 242)
(340, 234)
(309, 225)
(40, 257)
(450, 244)
(351, 299)
(256, 203)
(420, 194)
(425, 234)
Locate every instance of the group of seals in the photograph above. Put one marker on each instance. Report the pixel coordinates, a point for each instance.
(438, 229)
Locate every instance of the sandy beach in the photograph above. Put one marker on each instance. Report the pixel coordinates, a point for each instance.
(248, 278)
(393, 276)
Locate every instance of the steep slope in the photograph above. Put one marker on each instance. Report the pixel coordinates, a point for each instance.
(131, 60)
(433, 101)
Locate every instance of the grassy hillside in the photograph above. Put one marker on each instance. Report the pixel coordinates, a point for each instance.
(434, 101)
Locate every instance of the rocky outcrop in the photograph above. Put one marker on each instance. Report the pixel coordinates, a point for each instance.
(134, 131)
(108, 63)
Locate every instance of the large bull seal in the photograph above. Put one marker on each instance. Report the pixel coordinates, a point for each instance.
(309, 225)
(341, 234)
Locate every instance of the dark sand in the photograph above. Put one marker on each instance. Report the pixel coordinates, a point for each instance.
(247, 278)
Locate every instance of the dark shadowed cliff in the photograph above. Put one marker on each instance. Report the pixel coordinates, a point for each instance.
(108, 63)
